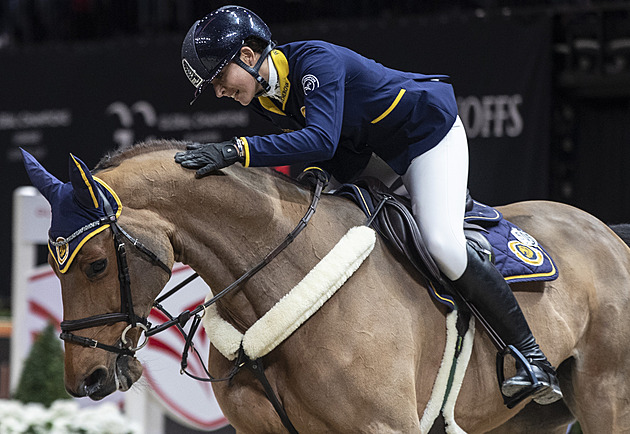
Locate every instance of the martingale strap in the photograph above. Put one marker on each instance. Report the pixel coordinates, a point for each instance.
(257, 368)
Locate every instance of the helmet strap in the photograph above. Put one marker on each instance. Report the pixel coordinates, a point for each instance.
(254, 70)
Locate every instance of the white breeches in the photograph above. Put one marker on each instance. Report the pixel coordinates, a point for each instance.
(436, 182)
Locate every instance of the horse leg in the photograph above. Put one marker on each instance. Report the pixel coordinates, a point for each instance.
(598, 393)
(596, 382)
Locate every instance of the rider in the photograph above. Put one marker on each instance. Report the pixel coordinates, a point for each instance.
(337, 108)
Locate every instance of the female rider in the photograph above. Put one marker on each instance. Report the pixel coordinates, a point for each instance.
(337, 108)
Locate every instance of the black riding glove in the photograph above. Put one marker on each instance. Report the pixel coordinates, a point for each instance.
(208, 157)
(311, 175)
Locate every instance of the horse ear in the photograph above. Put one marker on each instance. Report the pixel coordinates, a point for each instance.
(41, 179)
(83, 184)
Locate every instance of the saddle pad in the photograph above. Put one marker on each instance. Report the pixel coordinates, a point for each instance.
(517, 255)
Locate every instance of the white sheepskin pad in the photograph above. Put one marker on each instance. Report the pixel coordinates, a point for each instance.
(298, 305)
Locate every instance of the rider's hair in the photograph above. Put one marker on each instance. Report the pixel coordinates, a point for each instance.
(256, 44)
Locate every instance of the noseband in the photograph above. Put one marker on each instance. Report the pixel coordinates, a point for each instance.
(127, 313)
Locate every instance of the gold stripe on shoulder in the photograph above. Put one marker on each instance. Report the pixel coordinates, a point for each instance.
(391, 107)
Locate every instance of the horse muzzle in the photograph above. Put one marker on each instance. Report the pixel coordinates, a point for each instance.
(102, 381)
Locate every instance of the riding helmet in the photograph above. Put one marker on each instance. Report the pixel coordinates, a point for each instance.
(216, 39)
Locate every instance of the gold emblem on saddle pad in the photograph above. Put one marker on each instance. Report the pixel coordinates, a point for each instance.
(62, 250)
(528, 254)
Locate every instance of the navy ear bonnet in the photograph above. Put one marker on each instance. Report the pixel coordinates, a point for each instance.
(81, 208)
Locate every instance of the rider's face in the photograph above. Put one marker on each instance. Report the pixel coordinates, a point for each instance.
(236, 83)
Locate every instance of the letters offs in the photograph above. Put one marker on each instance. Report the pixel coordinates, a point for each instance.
(491, 115)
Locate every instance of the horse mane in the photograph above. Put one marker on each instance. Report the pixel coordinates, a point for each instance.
(114, 158)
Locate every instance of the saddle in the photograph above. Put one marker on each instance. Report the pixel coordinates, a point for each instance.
(516, 254)
(390, 215)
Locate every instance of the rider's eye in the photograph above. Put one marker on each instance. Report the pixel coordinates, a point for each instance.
(97, 267)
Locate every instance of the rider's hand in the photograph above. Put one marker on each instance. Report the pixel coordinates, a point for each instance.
(311, 175)
(209, 157)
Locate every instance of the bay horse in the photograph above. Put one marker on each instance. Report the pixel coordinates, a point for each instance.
(368, 359)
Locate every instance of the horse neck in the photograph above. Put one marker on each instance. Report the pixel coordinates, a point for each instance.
(221, 225)
(246, 215)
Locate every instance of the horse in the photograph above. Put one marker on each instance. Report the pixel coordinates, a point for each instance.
(367, 360)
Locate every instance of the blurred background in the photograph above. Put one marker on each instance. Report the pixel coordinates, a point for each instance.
(543, 88)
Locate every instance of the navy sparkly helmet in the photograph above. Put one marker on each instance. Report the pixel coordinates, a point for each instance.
(216, 39)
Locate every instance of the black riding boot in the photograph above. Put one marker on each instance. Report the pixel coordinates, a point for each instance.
(484, 287)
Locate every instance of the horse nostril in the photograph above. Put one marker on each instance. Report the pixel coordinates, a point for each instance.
(95, 381)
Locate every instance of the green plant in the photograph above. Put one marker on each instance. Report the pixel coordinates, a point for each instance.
(42, 377)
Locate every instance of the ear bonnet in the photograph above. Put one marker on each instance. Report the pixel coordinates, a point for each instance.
(81, 208)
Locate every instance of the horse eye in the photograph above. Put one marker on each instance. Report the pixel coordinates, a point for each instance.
(97, 267)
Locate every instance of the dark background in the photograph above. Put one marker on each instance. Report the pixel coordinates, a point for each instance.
(88, 76)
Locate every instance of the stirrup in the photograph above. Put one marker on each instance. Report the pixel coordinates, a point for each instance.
(527, 391)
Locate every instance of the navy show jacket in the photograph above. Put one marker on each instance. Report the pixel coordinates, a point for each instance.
(338, 107)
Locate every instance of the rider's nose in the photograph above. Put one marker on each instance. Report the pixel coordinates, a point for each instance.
(219, 91)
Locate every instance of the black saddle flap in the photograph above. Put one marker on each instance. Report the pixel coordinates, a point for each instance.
(394, 222)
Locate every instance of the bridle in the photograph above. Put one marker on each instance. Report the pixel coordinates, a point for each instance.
(127, 313)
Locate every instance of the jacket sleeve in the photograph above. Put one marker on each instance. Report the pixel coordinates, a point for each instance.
(322, 75)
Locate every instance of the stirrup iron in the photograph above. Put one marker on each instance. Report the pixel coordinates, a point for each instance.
(512, 401)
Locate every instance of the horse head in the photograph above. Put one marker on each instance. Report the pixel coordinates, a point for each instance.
(108, 279)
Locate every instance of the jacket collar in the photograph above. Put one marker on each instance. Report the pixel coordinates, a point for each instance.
(282, 66)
